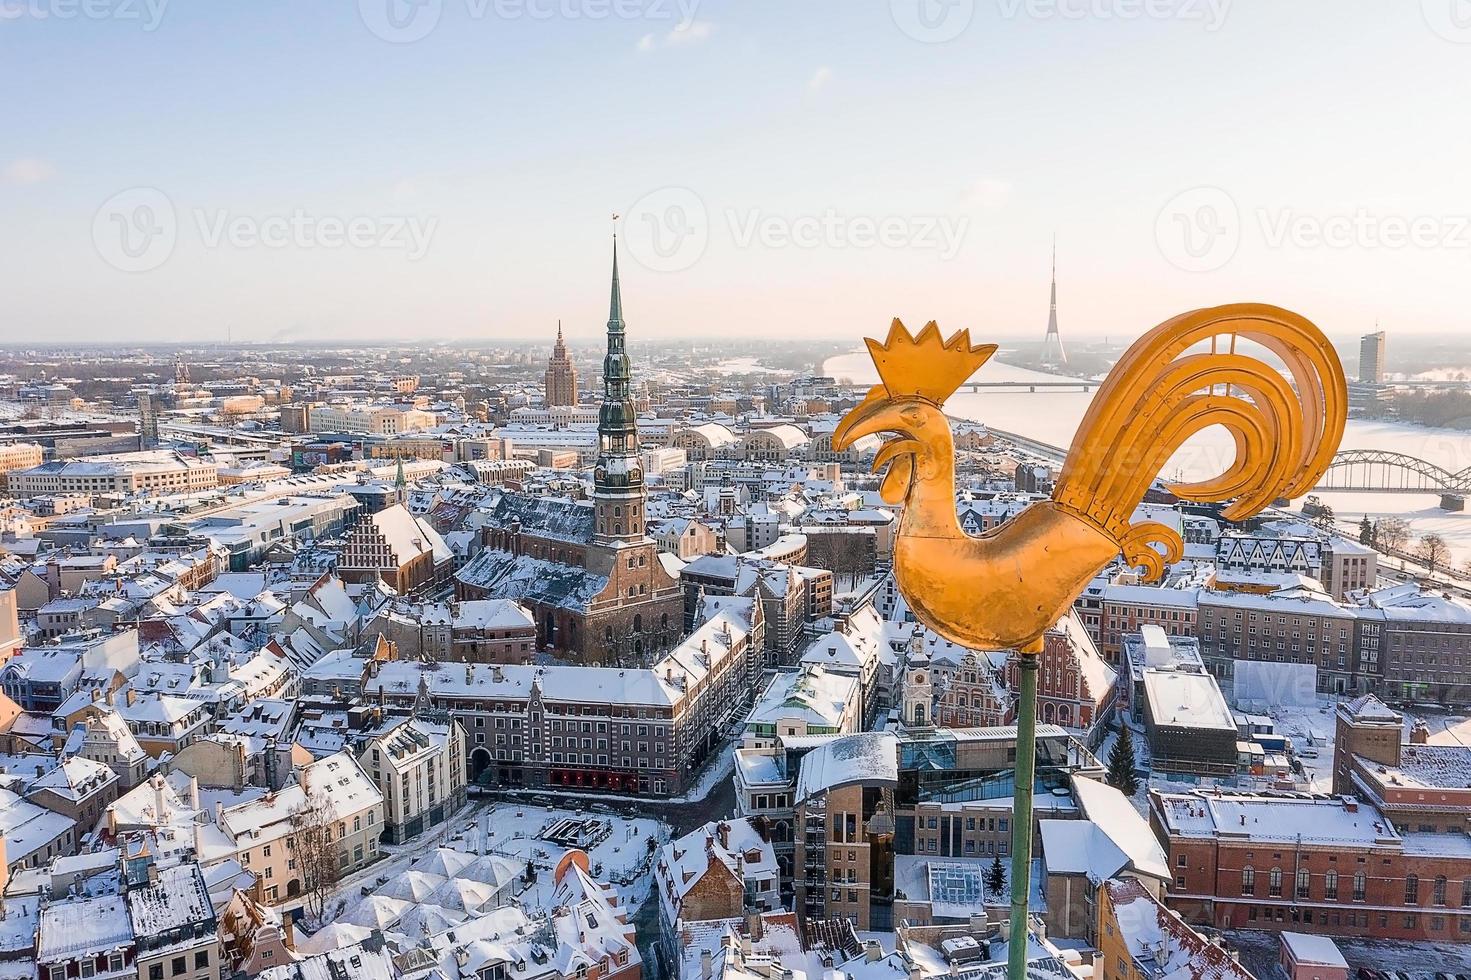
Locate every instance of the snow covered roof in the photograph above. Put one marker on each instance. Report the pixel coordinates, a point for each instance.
(733, 844)
(1265, 818)
(355, 962)
(178, 899)
(519, 576)
(868, 757)
(1154, 935)
(814, 694)
(1114, 817)
(1186, 699)
(1425, 767)
(1367, 707)
(1313, 950)
(83, 927)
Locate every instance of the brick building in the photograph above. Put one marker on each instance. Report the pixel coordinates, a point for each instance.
(560, 381)
(623, 729)
(1421, 788)
(590, 574)
(394, 545)
(1330, 865)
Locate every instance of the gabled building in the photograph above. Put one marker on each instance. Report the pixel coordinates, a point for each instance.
(723, 870)
(1140, 939)
(418, 765)
(397, 547)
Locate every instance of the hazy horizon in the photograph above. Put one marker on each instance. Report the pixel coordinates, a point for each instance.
(445, 170)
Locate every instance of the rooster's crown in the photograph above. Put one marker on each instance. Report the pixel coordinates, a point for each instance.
(924, 365)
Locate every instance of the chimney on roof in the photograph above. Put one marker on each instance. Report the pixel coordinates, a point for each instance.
(132, 696)
(873, 952)
(1420, 733)
(755, 928)
(707, 965)
(722, 830)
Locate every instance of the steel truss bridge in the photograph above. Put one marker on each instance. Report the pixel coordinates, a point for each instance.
(1382, 471)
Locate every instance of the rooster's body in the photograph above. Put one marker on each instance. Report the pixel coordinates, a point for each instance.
(1005, 588)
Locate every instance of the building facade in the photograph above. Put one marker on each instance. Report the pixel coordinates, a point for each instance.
(560, 381)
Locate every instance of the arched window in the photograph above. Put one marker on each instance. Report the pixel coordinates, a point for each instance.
(1330, 886)
(1360, 879)
(1412, 889)
(608, 635)
(1304, 881)
(664, 621)
(1440, 889)
(638, 623)
(1274, 882)
(1248, 880)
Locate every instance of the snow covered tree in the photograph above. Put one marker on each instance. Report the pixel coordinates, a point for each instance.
(1393, 533)
(995, 879)
(1121, 775)
(1432, 552)
(1366, 531)
(313, 845)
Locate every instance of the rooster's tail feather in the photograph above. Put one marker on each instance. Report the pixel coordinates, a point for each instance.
(1158, 396)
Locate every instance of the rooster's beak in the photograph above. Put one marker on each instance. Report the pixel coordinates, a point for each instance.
(876, 413)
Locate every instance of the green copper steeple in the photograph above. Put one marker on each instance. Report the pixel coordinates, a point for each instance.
(618, 471)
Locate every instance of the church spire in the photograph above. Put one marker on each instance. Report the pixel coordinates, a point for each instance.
(618, 482)
(615, 300)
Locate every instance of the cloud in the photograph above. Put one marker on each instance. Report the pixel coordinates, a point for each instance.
(27, 170)
(683, 35)
(819, 78)
(988, 192)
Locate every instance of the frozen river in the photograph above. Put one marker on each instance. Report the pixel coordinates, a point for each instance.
(1053, 416)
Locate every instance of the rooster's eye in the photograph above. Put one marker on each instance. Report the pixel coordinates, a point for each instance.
(913, 415)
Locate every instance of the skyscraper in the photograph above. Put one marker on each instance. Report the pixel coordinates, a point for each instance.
(147, 420)
(561, 375)
(1371, 358)
(1052, 353)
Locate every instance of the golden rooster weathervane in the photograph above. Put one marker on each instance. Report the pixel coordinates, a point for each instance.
(1004, 589)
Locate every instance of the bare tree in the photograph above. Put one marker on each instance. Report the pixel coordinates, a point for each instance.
(1432, 552)
(313, 845)
(1392, 533)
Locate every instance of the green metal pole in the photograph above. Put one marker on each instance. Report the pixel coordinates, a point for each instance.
(1021, 817)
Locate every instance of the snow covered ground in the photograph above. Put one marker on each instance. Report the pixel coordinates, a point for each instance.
(617, 847)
